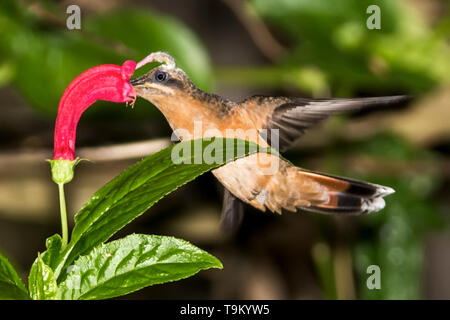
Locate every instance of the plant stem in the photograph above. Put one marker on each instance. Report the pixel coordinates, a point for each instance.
(63, 212)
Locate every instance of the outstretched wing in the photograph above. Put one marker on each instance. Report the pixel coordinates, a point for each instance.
(292, 116)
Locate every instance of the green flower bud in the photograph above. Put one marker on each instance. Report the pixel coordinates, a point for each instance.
(62, 170)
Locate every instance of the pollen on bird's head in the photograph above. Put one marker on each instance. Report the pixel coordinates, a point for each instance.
(163, 57)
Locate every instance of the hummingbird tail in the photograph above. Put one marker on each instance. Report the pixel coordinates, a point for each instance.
(348, 196)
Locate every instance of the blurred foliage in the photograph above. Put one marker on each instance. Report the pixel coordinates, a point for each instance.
(332, 51)
(41, 56)
(394, 238)
(323, 262)
(329, 52)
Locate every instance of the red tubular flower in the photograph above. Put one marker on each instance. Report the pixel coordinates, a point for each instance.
(105, 82)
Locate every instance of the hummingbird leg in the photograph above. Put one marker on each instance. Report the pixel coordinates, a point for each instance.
(232, 212)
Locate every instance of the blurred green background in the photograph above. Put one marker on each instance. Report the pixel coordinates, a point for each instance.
(237, 48)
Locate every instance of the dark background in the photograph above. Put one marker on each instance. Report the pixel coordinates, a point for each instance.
(235, 48)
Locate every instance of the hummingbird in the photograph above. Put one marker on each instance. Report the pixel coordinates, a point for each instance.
(279, 121)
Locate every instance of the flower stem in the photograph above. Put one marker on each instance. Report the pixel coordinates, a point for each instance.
(63, 212)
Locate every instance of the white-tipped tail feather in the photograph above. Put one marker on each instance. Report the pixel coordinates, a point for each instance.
(349, 196)
(373, 205)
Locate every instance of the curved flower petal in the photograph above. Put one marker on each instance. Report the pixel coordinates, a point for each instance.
(105, 82)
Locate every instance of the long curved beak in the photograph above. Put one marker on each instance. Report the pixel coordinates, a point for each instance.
(138, 84)
(138, 81)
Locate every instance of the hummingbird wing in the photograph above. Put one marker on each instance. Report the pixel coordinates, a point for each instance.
(288, 118)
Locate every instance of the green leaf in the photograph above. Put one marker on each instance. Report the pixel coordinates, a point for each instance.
(53, 57)
(6, 72)
(147, 32)
(129, 264)
(41, 282)
(51, 255)
(11, 286)
(139, 187)
(54, 60)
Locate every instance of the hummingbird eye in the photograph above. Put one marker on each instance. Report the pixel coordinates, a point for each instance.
(160, 76)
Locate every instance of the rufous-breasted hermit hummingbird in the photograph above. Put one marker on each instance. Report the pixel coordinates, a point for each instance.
(289, 187)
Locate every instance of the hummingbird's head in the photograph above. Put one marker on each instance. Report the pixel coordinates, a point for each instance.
(169, 89)
(164, 81)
